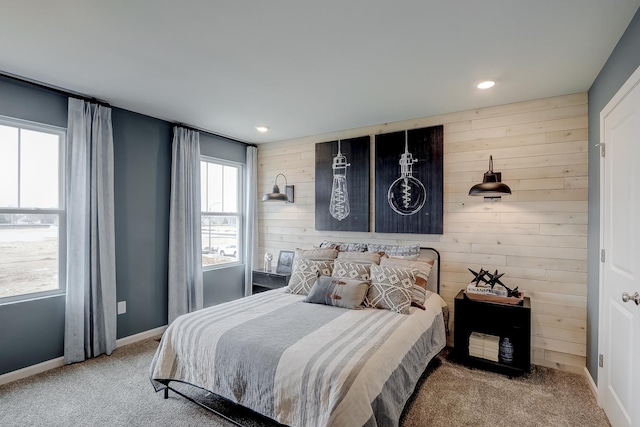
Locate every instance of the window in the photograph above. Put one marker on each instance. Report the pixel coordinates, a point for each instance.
(32, 217)
(221, 199)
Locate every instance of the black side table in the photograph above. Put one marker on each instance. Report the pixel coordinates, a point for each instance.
(265, 280)
(503, 320)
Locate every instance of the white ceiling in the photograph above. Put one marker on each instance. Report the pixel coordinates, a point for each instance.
(309, 67)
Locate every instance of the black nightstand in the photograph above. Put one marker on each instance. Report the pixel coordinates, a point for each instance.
(502, 320)
(265, 280)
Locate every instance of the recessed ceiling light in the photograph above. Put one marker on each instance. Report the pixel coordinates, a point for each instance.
(486, 85)
(262, 129)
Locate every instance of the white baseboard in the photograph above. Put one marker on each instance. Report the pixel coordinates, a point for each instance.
(59, 361)
(592, 385)
(141, 336)
(31, 370)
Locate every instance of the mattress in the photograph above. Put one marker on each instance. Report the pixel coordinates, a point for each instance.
(304, 364)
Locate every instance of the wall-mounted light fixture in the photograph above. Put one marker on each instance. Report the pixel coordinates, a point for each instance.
(276, 195)
(491, 186)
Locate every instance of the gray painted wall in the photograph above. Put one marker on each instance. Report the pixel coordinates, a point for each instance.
(142, 172)
(624, 60)
(28, 102)
(32, 332)
(222, 148)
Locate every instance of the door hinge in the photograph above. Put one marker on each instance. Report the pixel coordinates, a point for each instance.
(601, 361)
(601, 255)
(602, 148)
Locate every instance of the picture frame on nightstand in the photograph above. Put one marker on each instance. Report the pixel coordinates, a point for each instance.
(285, 262)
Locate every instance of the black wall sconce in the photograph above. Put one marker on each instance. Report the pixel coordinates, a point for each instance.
(491, 187)
(276, 195)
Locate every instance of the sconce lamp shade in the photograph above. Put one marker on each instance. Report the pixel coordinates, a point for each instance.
(276, 195)
(491, 186)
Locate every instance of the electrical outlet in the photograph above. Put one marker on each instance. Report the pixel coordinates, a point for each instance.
(122, 307)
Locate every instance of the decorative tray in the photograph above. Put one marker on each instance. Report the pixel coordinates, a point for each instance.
(495, 298)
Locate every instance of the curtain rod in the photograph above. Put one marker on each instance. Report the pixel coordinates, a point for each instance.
(54, 89)
(196, 129)
(64, 92)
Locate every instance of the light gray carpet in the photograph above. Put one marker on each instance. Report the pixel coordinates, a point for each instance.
(453, 395)
(115, 391)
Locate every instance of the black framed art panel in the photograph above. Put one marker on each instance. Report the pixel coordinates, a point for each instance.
(342, 184)
(409, 181)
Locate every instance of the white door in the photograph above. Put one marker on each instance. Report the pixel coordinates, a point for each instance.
(619, 324)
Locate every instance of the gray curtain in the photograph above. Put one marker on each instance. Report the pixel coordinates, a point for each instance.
(251, 231)
(90, 312)
(185, 259)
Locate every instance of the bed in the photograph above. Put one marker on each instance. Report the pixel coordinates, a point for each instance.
(304, 364)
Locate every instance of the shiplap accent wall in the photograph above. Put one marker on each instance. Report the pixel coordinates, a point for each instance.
(537, 236)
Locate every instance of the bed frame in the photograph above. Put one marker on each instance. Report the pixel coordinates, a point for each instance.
(435, 255)
(426, 251)
(202, 405)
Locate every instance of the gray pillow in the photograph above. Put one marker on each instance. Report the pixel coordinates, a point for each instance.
(338, 292)
(317, 254)
(361, 257)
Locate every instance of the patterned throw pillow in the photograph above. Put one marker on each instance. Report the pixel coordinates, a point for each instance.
(394, 250)
(344, 247)
(390, 288)
(338, 292)
(421, 270)
(329, 244)
(351, 270)
(304, 274)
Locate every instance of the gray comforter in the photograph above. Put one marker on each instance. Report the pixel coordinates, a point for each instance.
(304, 364)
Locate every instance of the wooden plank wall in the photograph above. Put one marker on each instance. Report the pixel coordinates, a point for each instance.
(537, 236)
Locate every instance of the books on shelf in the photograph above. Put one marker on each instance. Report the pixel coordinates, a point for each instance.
(484, 346)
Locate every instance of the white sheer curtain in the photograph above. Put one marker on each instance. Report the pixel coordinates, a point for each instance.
(251, 231)
(185, 261)
(90, 312)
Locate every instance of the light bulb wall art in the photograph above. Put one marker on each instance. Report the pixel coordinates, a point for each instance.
(342, 184)
(406, 194)
(339, 205)
(409, 181)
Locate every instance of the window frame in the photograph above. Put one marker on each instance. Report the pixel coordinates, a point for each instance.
(60, 211)
(240, 216)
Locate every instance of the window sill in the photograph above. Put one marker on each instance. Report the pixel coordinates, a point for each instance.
(221, 266)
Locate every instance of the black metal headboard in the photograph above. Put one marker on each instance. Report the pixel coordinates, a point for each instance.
(435, 255)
